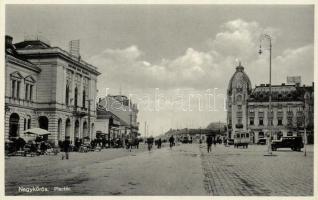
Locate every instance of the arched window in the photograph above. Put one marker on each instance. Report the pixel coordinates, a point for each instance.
(85, 130)
(44, 122)
(67, 128)
(27, 122)
(76, 130)
(59, 130)
(14, 125)
(75, 97)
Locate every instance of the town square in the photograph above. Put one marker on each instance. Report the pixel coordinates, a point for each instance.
(159, 100)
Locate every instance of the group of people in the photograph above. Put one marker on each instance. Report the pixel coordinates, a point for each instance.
(39, 146)
(150, 141)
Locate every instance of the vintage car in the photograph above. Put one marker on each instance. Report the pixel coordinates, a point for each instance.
(293, 142)
(241, 138)
(261, 141)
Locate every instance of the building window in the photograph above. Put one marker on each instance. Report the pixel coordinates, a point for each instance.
(261, 122)
(31, 93)
(75, 97)
(251, 121)
(25, 124)
(239, 120)
(84, 96)
(289, 121)
(18, 89)
(29, 123)
(13, 88)
(280, 122)
(26, 91)
(239, 107)
(67, 93)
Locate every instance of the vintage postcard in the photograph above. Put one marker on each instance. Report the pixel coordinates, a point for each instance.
(208, 100)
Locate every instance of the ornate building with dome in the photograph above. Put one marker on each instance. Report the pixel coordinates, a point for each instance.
(248, 108)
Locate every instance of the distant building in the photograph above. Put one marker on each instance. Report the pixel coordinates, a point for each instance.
(49, 88)
(124, 114)
(248, 109)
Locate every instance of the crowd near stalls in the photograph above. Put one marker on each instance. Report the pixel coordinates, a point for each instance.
(35, 142)
(30, 143)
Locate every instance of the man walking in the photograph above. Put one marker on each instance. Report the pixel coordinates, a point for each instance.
(66, 147)
(209, 142)
(171, 140)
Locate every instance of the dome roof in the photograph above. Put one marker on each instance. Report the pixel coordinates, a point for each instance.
(239, 77)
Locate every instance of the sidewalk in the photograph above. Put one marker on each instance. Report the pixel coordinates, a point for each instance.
(247, 172)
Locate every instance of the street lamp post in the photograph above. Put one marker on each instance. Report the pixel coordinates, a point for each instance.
(268, 37)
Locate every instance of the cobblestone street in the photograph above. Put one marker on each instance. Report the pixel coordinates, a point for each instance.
(186, 169)
(240, 172)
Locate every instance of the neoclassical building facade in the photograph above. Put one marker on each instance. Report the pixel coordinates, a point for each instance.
(248, 108)
(49, 88)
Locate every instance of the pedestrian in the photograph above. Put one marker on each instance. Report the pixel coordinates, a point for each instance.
(209, 142)
(150, 141)
(130, 143)
(159, 143)
(171, 141)
(66, 147)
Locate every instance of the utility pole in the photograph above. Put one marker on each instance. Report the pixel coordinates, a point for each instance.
(268, 37)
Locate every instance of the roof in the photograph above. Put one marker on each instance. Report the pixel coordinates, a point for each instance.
(38, 49)
(279, 93)
(239, 75)
(32, 44)
(13, 56)
(105, 114)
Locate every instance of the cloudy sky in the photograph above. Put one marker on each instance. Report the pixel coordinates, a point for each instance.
(175, 60)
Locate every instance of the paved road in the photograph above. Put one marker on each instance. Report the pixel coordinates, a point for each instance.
(184, 170)
(247, 172)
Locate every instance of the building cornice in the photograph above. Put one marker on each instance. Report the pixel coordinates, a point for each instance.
(22, 63)
(58, 52)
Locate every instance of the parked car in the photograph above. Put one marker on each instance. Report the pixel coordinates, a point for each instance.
(293, 142)
(261, 141)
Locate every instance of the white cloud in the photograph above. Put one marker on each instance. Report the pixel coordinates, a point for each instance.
(194, 69)
(202, 70)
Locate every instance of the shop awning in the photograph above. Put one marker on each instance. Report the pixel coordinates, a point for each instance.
(36, 131)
